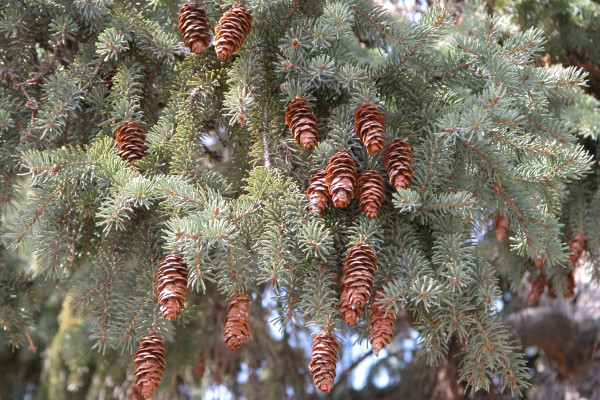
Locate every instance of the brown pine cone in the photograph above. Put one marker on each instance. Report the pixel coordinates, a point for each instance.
(371, 192)
(369, 126)
(318, 192)
(130, 142)
(301, 119)
(149, 364)
(134, 394)
(341, 178)
(171, 284)
(231, 31)
(381, 324)
(570, 289)
(539, 262)
(199, 367)
(107, 78)
(360, 266)
(349, 313)
(537, 289)
(398, 160)
(237, 329)
(576, 248)
(193, 27)
(501, 227)
(323, 361)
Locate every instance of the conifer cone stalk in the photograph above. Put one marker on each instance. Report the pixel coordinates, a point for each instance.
(348, 313)
(237, 329)
(576, 248)
(398, 160)
(231, 31)
(537, 289)
(371, 192)
(149, 364)
(381, 324)
(323, 361)
(301, 119)
(318, 192)
(171, 284)
(360, 266)
(341, 178)
(131, 142)
(501, 227)
(193, 27)
(369, 126)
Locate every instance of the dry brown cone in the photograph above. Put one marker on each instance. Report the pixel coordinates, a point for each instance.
(576, 248)
(193, 27)
(301, 119)
(323, 361)
(570, 289)
(537, 289)
(381, 324)
(237, 329)
(501, 227)
(398, 160)
(107, 78)
(130, 142)
(341, 178)
(231, 31)
(318, 192)
(360, 266)
(369, 126)
(370, 192)
(134, 394)
(349, 314)
(171, 284)
(149, 364)
(199, 367)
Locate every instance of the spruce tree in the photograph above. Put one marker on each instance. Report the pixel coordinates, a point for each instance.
(148, 156)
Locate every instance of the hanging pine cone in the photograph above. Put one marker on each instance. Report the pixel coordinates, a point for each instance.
(371, 192)
(398, 160)
(576, 248)
(318, 192)
(130, 142)
(369, 126)
(349, 313)
(341, 178)
(171, 284)
(301, 119)
(149, 364)
(237, 329)
(323, 361)
(537, 289)
(381, 324)
(231, 31)
(501, 227)
(360, 266)
(199, 367)
(193, 27)
(107, 78)
(570, 289)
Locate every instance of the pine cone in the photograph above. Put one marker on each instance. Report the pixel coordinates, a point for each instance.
(237, 330)
(576, 248)
(371, 192)
(171, 284)
(323, 361)
(539, 262)
(348, 313)
(193, 27)
(318, 192)
(537, 289)
(369, 126)
(199, 367)
(341, 178)
(570, 289)
(501, 227)
(398, 160)
(130, 142)
(301, 119)
(360, 266)
(107, 78)
(231, 31)
(134, 394)
(381, 324)
(149, 364)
